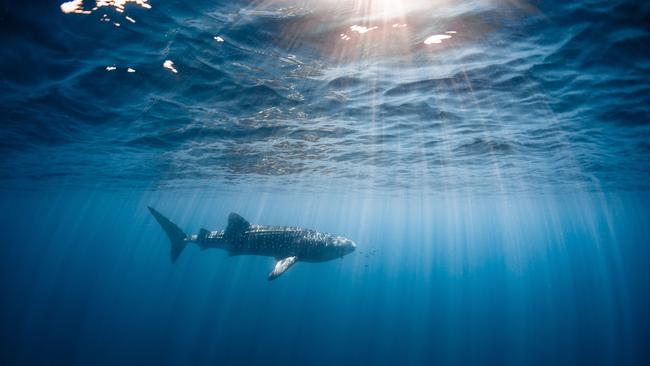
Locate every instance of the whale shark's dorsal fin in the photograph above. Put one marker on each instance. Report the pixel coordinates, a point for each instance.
(237, 225)
(281, 266)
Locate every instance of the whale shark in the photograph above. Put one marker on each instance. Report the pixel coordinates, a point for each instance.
(286, 244)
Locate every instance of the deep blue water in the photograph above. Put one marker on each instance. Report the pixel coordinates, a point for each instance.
(491, 159)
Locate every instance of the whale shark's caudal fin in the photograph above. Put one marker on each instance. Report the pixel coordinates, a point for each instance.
(174, 233)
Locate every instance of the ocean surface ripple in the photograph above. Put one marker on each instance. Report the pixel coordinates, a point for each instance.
(470, 96)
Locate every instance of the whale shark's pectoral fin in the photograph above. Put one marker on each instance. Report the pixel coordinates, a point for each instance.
(282, 266)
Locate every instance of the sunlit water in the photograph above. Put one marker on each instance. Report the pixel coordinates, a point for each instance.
(491, 159)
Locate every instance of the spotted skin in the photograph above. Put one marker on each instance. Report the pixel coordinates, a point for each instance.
(280, 242)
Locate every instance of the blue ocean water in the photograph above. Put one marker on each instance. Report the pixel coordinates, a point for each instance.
(490, 158)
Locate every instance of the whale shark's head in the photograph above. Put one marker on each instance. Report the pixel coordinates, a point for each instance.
(320, 247)
(343, 246)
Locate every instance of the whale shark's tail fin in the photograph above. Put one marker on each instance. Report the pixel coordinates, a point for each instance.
(174, 233)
